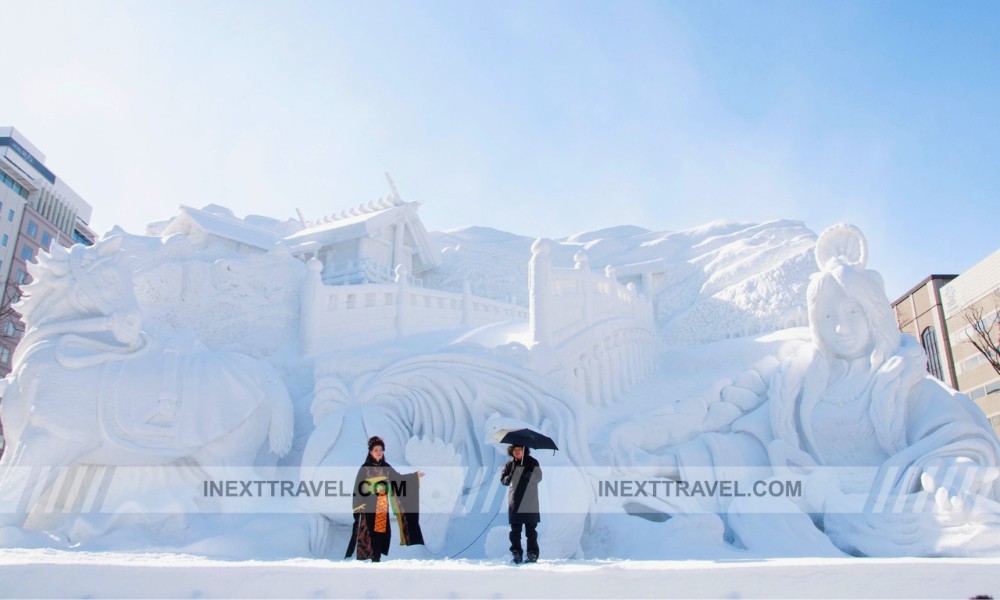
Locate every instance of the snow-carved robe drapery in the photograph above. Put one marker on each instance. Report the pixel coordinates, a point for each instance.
(916, 420)
(912, 422)
(379, 488)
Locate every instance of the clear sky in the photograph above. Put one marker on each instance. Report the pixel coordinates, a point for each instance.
(540, 118)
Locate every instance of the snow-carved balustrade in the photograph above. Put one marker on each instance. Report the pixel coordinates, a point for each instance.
(600, 331)
(352, 272)
(345, 316)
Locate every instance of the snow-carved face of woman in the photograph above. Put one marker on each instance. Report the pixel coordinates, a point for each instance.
(842, 324)
(849, 313)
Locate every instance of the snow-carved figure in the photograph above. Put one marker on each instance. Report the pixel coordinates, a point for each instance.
(895, 462)
(89, 386)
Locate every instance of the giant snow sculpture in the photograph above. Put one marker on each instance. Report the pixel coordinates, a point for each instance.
(89, 386)
(894, 462)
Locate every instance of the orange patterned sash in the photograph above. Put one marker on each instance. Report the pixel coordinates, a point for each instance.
(381, 512)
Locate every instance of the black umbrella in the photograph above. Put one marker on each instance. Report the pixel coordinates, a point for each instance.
(526, 438)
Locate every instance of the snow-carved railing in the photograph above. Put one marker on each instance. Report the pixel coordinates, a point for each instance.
(352, 272)
(345, 316)
(602, 332)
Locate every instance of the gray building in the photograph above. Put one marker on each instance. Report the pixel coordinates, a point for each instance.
(37, 209)
(936, 312)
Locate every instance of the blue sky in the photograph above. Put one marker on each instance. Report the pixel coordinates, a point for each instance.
(541, 118)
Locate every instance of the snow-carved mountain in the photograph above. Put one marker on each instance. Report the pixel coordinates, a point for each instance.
(717, 281)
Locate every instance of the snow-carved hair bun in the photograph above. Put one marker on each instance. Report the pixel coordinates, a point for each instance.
(841, 244)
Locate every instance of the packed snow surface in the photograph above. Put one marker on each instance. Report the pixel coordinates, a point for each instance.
(55, 574)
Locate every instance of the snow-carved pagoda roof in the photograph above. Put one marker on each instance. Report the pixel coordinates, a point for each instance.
(367, 220)
(220, 222)
(360, 221)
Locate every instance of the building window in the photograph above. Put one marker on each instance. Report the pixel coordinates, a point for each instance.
(10, 215)
(8, 328)
(971, 363)
(80, 239)
(929, 341)
(5, 355)
(25, 253)
(21, 277)
(6, 238)
(32, 229)
(7, 181)
(46, 240)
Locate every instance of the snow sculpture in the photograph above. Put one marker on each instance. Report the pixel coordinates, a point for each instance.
(443, 408)
(246, 303)
(89, 386)
(894, 462)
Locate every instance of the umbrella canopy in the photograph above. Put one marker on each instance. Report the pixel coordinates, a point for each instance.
(526, 438)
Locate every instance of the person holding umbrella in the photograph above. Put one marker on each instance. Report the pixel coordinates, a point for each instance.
(523, 474)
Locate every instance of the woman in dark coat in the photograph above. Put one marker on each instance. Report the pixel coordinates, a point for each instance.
(377, 487)
(523, 475)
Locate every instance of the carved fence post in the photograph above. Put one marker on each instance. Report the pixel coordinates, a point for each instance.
(402, 306)
(582, 263)
(309, 318)
(613, 298)
(540, 292)
(635, 303)
(466, 304)
(611, 273)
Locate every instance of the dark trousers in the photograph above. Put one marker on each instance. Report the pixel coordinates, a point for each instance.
(530, 532)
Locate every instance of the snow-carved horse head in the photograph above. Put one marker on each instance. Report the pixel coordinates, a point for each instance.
(89, 386)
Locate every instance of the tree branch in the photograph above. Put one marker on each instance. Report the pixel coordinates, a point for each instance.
(986, 338)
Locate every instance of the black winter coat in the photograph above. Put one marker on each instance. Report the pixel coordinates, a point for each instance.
(406, 507)
(523, 478)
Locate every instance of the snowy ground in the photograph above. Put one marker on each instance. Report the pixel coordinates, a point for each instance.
(50, 574)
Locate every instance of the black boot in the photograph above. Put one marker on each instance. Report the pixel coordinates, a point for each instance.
(532, 557)
(517, 557)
